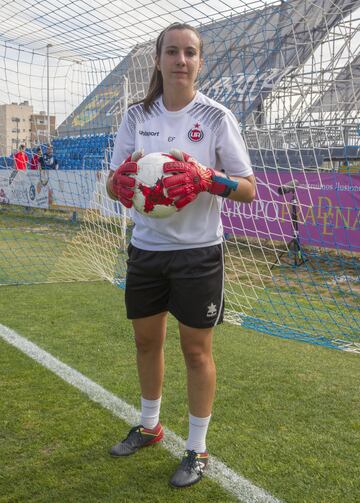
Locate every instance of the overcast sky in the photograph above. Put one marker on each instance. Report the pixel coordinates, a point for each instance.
(88, 39)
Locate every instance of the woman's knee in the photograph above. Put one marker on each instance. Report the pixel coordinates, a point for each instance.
(148, 344)
(197, 359)
(150, 333)
(196, 345)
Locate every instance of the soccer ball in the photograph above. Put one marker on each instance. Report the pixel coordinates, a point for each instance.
(150, 197)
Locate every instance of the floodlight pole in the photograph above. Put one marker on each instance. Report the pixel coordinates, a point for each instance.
(48, 91)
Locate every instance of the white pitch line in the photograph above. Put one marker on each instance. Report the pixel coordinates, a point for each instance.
(232, 482)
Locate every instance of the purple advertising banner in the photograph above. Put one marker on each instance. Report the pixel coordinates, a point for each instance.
(326, 204)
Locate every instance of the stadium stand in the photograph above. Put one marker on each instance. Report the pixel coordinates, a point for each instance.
(83, 152)
(90, 152)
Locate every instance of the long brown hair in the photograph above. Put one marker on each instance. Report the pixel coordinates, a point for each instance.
(156, 82)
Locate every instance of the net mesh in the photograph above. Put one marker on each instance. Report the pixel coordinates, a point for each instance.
(290, 73)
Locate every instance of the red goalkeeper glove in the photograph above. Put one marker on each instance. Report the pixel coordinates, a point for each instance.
(121, 185)
(190, 178)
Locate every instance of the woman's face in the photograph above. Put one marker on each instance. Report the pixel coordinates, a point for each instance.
(180, 60)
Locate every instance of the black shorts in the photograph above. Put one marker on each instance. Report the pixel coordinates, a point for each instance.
(187, 283)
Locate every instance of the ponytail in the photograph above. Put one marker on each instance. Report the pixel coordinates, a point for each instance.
(155, 89)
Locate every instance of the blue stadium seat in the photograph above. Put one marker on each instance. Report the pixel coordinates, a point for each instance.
(83, 152)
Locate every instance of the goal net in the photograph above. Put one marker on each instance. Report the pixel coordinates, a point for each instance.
(290, 73)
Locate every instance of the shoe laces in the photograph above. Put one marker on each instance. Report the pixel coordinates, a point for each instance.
(191, 462)
(135, 433)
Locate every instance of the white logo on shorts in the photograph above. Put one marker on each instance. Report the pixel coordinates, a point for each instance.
(212, 310)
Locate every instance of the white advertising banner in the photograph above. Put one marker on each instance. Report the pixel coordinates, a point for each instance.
(70, 189)
(23, 188)
(74, 189)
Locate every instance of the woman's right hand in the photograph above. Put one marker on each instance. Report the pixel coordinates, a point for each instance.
(120, 184)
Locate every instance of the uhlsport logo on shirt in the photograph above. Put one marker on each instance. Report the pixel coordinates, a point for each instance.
(149, 133)
(196, 134)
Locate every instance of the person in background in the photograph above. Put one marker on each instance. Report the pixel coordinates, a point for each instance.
(176, 264)
(50, 162)
(35, 162)
(21, 159)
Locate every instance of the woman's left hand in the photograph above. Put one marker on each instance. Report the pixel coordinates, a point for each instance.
(189, 178)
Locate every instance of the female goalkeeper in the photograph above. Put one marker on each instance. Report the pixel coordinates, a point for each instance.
(176, 264)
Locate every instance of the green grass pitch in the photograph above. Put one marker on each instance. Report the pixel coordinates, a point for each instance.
(286, 415)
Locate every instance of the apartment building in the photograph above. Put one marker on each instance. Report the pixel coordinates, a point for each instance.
(39, 128)
(20, 125)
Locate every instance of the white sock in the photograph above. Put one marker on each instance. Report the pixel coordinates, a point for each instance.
(150, 412)
(198, 427)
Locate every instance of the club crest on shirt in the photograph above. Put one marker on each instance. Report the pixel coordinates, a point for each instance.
(196, 134)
